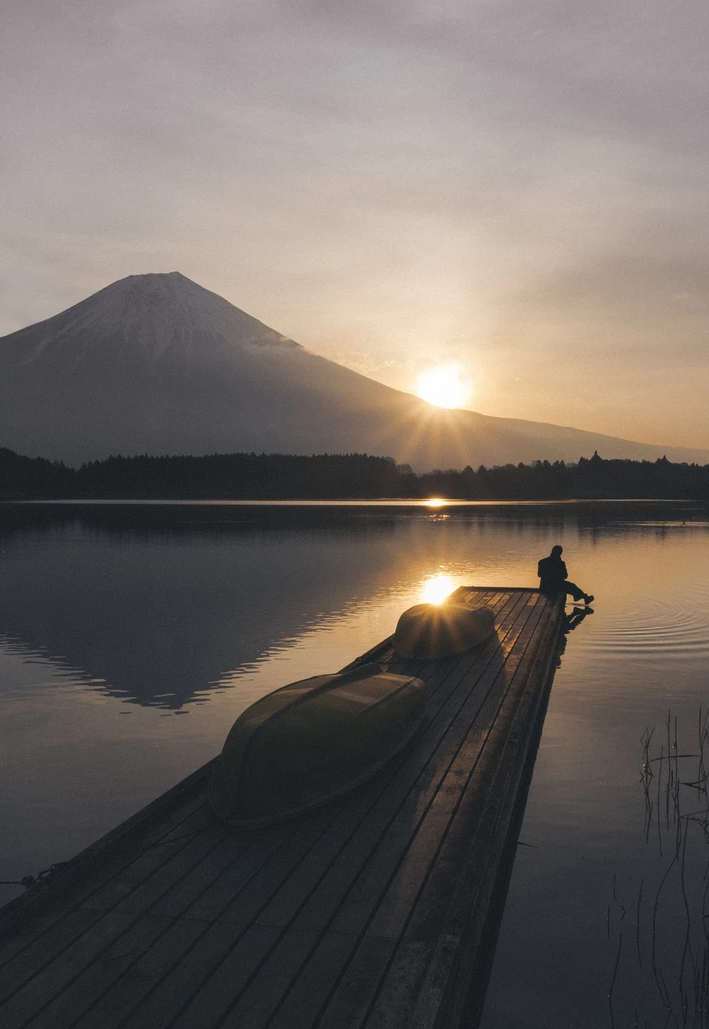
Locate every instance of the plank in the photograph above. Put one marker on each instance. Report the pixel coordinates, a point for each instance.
(234, 978)
(208, 980)
(352, 991)
(293, 978)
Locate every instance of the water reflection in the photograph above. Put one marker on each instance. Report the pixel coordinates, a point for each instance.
(159, 604)
(115, 618)
(159, 617)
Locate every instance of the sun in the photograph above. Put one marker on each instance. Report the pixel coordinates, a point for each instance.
(436, 589)
(445, 385)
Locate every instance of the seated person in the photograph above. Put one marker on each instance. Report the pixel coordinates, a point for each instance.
(552, 571)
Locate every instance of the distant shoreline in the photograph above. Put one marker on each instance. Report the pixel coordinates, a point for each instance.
(341, 478)
(430, 503)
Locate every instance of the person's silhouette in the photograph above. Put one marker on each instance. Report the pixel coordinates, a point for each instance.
(552, 572)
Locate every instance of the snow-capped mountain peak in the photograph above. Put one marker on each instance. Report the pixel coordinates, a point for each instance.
(155, 315)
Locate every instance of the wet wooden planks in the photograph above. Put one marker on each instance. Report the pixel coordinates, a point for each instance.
(377, 911)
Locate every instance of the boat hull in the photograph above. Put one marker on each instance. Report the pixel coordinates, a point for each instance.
(312, 741)
(428, 631)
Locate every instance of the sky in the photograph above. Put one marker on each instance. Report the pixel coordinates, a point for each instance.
(517, 187)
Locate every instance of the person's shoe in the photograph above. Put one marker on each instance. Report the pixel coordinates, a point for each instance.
(587, 598)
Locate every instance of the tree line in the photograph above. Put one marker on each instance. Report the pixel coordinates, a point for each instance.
(343, 476)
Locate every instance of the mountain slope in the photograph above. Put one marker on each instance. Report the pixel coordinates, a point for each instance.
(157, 364)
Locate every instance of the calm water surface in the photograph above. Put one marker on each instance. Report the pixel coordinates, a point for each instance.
(132, 635)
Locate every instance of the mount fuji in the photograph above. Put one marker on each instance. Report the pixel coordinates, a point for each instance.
(157, 364)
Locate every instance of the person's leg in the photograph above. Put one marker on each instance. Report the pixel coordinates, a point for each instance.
(572, 589)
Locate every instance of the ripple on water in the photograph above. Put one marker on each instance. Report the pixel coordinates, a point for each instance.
(667, 622)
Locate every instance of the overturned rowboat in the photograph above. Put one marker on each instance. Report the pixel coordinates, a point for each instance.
(428, 631)
(311, 741)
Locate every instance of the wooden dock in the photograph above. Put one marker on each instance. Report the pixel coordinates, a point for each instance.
(379, 911)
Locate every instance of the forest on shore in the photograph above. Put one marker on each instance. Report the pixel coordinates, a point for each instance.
(342, 477)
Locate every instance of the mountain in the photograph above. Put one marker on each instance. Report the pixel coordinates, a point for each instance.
(157, 364)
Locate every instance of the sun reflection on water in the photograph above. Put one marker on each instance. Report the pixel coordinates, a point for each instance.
(436, 589)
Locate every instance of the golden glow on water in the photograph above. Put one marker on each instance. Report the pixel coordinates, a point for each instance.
(436, 589)
(435, 502)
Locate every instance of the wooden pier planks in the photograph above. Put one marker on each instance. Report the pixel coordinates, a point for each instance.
(375, 911)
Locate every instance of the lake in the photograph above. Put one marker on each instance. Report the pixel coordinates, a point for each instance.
(132, 635)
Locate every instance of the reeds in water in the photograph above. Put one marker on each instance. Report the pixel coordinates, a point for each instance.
(671, 915)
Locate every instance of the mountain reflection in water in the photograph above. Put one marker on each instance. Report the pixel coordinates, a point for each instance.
(162, 610)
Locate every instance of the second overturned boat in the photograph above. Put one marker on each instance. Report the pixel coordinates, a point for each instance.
(312, 741)
(430, 631)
